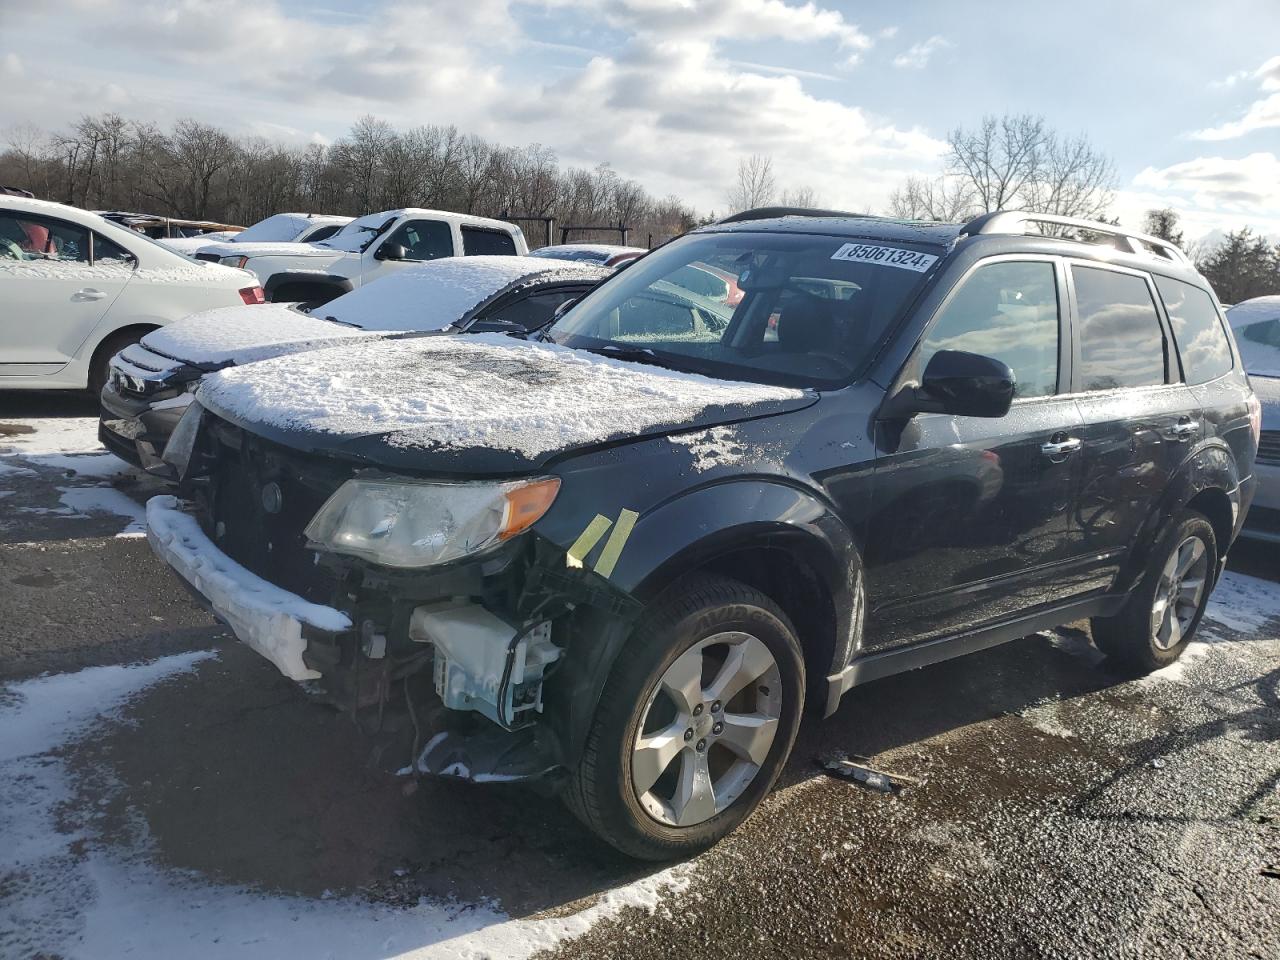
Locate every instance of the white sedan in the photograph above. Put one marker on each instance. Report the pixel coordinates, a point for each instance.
(75, 289)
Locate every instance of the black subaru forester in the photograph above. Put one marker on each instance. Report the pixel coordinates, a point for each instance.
(618, 560)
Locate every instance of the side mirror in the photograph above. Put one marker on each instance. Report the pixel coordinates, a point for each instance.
(391, 251)
(967, 384)
(959, 383)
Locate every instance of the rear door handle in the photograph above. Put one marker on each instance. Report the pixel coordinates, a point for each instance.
(1183, 430)
(1057, 449)
(87, 293)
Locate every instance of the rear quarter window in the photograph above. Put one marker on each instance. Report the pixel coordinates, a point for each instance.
(1197, 329)
(478, 242)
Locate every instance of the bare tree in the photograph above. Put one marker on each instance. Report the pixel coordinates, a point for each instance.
(998, 159)
(756, 186)
(1072, 179)
(942, 199)
(804, 197)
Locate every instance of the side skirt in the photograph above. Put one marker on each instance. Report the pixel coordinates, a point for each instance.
(886, 663)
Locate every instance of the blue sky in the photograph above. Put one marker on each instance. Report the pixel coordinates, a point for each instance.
(848, 98)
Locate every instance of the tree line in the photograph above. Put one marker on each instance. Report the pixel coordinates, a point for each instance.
(199, 171)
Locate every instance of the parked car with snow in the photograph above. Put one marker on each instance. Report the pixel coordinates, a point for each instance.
(278, 228)
(1256, 324)
(605, 254)
(370, 247)
(77, 289)
(169, 228)
(622, 556)
(152, 381)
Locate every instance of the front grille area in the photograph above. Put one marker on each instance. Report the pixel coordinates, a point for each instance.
(1269, 447)
(269, 542)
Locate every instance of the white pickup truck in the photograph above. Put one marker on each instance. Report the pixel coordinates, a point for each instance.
(368, 248)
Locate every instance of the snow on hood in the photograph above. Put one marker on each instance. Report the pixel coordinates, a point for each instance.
(244, 334)
(359, 231)
(188, 246)
(434, 294)
(280, 248)
(482, 391)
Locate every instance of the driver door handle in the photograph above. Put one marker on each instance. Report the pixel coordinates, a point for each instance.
(1056, 449)
(87, 293)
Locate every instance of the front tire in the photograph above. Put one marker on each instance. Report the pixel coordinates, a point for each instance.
(694, 724)
(1162, 614)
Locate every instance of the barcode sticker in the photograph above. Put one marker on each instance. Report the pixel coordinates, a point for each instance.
(886, 256)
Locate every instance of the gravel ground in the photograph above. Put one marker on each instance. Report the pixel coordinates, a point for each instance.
(200, 806)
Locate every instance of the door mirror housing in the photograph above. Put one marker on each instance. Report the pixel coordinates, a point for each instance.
(391, 251)
(959, 383)
(968, 384)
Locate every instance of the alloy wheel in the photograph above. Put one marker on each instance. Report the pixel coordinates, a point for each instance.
(1178, 594)
(706, 729)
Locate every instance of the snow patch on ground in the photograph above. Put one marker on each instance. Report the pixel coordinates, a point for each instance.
(78, 900)
(53, 435)
(482, 390)
(86, 501)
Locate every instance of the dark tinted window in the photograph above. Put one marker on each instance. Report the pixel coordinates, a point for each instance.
(1121, 343)
(1202, 342)
(324, 233)
(109, 253)
(1008, 311)
(536, 310)
(424, 239)
(477, 242)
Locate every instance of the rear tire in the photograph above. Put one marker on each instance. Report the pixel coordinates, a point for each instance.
(707, 763)
(100, 365)
(1163, 612)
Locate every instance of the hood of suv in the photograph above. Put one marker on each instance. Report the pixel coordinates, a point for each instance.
(279, 248)
(477, 405)
(227, 336)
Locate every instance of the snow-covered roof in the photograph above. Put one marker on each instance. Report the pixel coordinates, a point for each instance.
(600, 251)
(1251, 311)
(484, 390)
(244, 334)
(434, 294)
(283, 227)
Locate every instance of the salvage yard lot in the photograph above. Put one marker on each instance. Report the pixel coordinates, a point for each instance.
(165, 792)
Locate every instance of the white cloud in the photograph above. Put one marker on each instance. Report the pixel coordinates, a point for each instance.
(1262, 114)
(1212, 194)
(667, 106)
(917, 56)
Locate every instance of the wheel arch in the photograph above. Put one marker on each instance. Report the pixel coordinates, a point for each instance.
(1209, 483)
(776, 538)
(327, 283)
(141, 329)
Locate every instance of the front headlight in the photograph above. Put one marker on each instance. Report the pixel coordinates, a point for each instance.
(233, 261)
(410, 523)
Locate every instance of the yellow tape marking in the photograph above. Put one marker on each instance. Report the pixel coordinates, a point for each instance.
(587, 540)
(617, 540)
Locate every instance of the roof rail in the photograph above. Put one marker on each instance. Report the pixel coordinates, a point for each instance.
(769, 213)
(1015, 221)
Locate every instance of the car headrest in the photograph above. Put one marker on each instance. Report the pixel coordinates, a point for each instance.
(807, 324)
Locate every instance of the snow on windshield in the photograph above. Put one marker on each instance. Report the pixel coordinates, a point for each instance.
(434, 294)
(1256, 325)
(244, 334)
(485, 390)
(359, 231)
(281, 227)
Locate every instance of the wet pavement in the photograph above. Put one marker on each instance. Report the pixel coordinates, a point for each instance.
(1055, 808)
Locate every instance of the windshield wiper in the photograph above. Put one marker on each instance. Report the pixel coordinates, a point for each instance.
(641, 355)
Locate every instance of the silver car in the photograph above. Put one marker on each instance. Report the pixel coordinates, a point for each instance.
(1256, 324)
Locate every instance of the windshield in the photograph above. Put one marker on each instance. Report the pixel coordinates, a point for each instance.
(358, 234)
(282, 227)
(1259, 345)
(786, 309)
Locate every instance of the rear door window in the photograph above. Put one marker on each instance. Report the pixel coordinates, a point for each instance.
(1121, 342)
(479, 242)
(424, 239)
(108, 253)
(1009, 311)
(1197, 330)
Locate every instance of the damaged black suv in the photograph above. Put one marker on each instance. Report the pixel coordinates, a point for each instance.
(620, 558)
